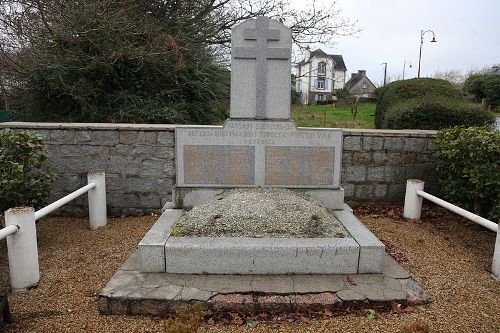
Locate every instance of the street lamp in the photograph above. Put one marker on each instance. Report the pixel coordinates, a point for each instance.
(422, 33)
(404, 66)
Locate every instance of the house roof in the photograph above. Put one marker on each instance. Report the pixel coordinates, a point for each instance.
(355, 80)
(337, 59)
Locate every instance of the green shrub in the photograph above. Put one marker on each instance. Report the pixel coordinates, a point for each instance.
(24, 176)
(468, 164)
(435, 113)
(400, 91)
(484, 86)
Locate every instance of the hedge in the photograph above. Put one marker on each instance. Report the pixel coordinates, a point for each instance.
(24, 171)
(400, 91)
(468, 161)
(435, 114)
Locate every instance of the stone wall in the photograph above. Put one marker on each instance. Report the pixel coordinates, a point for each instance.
(140, 165)
(377, 163)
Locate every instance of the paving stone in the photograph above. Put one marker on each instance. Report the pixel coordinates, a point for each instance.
(317, 283)
(394, 295)
(414, 293)
(392, 269)
(133, 292)
(278, 284)
(165, 292)
(348, 295)
(221, 283)
(190, 293)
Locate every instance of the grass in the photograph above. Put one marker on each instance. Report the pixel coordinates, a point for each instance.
(330, 116)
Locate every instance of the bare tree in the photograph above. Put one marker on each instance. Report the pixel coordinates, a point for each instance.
(454, 76)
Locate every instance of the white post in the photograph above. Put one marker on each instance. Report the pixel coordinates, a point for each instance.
(495, 268)
(97, 200)
(22, 248)
(413, 202)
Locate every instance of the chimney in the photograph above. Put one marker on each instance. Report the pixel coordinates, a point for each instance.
(307, 54)
(353, 75)
(362, 72)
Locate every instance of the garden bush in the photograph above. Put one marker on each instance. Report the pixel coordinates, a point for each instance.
(468, 161)
(400, 91)
(24, 176)
(435, 113)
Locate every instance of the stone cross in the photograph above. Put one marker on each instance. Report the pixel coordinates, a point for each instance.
(260, 70)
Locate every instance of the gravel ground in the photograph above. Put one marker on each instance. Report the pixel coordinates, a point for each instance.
(449, 257)
(258, 213)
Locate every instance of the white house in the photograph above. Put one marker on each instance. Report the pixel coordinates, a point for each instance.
(319, 75)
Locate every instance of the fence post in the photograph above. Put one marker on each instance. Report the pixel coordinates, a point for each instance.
(22, 248)
(495, 268)
(97, 200)
(413, 202)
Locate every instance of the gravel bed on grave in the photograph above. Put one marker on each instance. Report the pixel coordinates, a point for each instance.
(259, 213)
(448, 256)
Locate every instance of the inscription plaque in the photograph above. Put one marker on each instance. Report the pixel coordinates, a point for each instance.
(258, 153)
(225, 165)
(299, 165)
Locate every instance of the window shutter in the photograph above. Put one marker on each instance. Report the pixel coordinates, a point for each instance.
(326, 84)
(315, 84)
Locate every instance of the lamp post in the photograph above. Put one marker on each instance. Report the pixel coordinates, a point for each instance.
(404, 67)
(385, 72)
(422, 33)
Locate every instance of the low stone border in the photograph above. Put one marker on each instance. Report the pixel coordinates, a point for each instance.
(135, 293)
(161, 252)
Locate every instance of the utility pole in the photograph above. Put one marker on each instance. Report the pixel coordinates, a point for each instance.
(404, 66)
(385, 72)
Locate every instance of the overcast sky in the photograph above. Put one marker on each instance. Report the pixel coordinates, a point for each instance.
(467, 34)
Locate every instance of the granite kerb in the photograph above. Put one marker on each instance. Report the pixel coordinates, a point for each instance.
(225, 255)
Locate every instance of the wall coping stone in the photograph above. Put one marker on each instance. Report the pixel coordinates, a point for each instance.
(89, 126)
(171, 127)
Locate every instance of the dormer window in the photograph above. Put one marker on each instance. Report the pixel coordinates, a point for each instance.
(322, 68)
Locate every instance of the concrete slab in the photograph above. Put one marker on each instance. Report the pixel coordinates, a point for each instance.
(133, 292)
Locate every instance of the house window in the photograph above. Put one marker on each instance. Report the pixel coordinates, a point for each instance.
(319, 98)
(322, 68)
(320, 84)
(365, 86)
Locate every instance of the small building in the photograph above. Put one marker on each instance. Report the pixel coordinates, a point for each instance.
(319, 75)
(359, 85)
